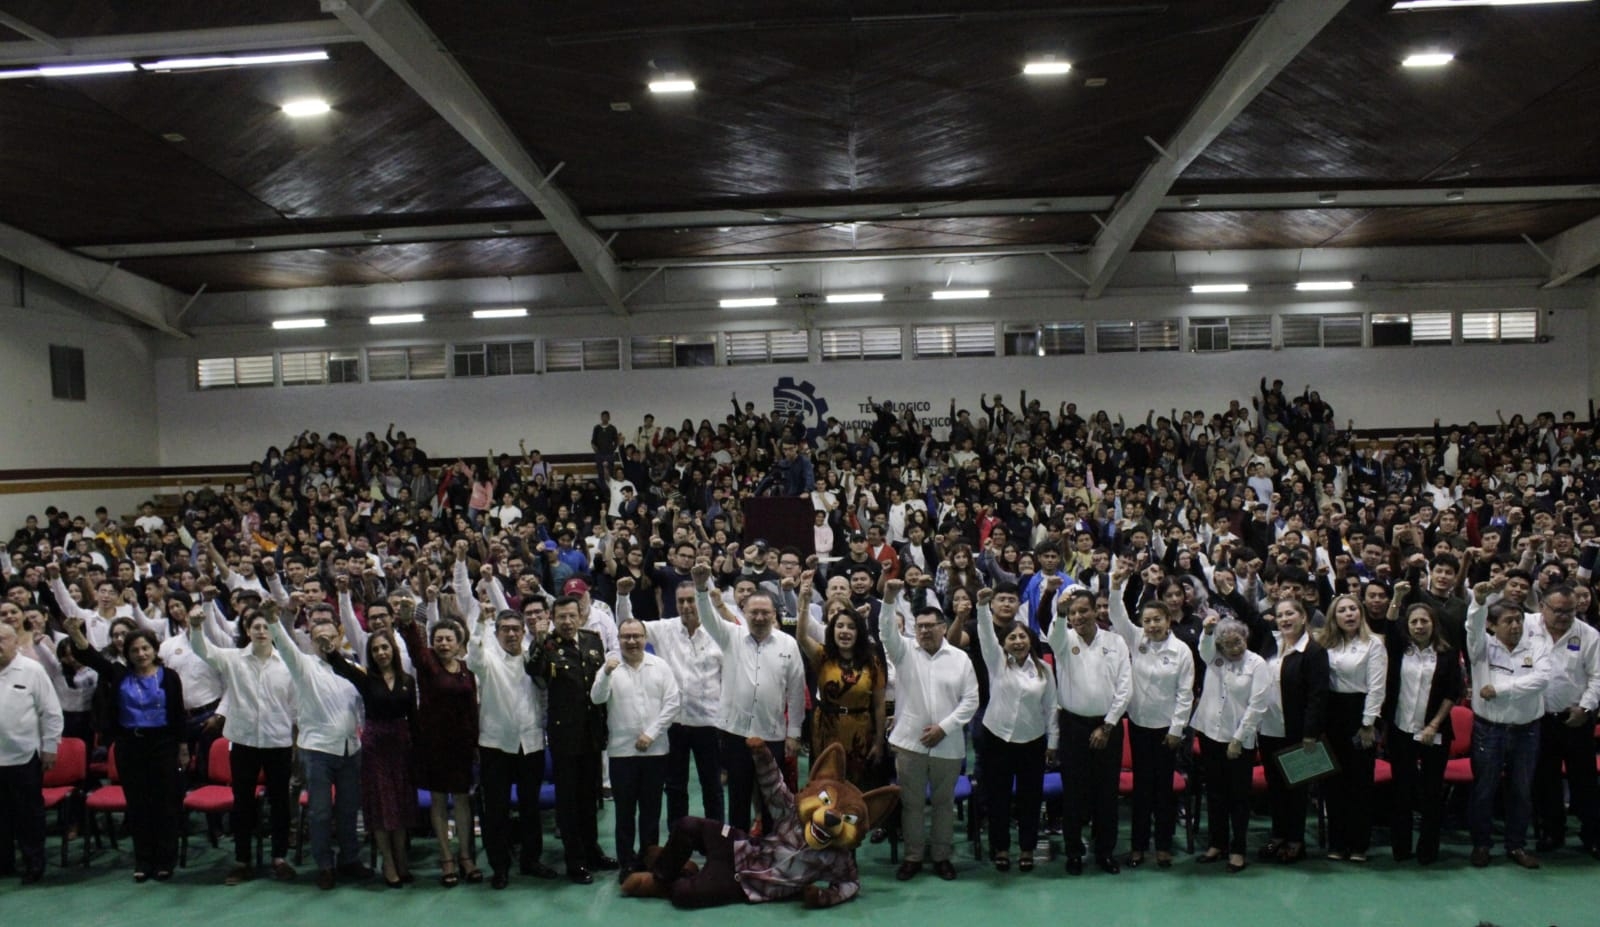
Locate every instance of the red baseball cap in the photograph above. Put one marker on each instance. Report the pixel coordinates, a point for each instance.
(575, 586)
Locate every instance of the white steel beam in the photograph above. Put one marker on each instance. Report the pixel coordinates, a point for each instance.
(1574, 252)
(173, 44)
(135, 297)
(394, 31)
(1277, 38)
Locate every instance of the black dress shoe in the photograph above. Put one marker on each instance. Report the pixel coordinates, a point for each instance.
(1550, 844)
(540, 871)
(1074, 865)
(33, 877)
(499, 881)
(1108, 865)
(353, 871)
(578, 875)
(945, 870)
(603, 862)
(908, 869)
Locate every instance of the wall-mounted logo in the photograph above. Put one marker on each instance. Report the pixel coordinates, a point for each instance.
(791, 398)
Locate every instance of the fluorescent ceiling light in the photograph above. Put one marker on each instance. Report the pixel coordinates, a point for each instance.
(405, 318)
(285, 324)
(1220, 288)
(1313, 285)
(71, 70)
(855, 297)
(750, 302)
(499, 313)
(1428, 60)
(960, 294)
(1404, 5)
(1046, 67)
(299, 108)
(672, 86)
(232, 61)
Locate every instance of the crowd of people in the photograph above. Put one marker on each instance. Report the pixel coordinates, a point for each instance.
(1025, 590)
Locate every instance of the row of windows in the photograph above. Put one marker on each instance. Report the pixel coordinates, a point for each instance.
(976, 339)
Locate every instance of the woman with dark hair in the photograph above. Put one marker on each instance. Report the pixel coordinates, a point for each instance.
(1358, 671)
(447, 736)
(145, 720)
(1296, 706)
(388, 795)
(959, 572)
(1017, 722)
(1424, 683)
(850, 687)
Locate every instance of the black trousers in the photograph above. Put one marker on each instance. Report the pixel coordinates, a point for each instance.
(741, 768)
(1418, 789)
(1573, 746)
(1005, 762)
(636, 783)
(1287, 804)
(1090, 777)
(1349, 792)
(247, 764)
(716, 882)
(701, 743)
(1227, 795)
(577, 775)
(148, 768)
(1154, 764)
(497, 772)
(22, 816)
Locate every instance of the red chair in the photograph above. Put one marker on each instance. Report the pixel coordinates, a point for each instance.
(215, 798)
(108, 800)
(63, 787)
(1458, 765)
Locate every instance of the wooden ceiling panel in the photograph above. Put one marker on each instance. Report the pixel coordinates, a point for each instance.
(815, 106)
(78, 18)
(1361, 228)
(1345, 110)
(866, 237)
(495, 257)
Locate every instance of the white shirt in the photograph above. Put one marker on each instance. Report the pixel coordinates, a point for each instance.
(1272, 723)
(1022, 697)
(95, 628)
(1358, 666)
(696, 663)
(330, 711)
(1235, 695)
(1163, 674)
(1093, 678)
(202, 684)
(939, 688)
(763, 682)
(510, 707)
(261, 706)
(150, 524)
(30, 714)
(1574, 664)
(603, 623)
(1519, 676)
(1416, 681)
(639, 700)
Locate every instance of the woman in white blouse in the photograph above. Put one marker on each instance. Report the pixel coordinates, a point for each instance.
(1358, 672)
(1229, 713)
(1020, 723)
(1425, 682)
(1163, 697)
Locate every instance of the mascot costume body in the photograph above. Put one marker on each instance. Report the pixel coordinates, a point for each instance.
(815, 842)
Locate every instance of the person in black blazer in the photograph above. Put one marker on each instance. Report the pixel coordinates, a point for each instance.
(1296, 715)
(146, 722)
(1425, 682)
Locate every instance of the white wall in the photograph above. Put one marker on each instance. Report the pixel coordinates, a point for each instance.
(114, 427)
(1387, 387)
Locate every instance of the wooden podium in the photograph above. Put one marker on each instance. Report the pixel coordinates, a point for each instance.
(781, 522)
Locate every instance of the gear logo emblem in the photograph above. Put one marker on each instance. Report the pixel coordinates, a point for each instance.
(791, 398)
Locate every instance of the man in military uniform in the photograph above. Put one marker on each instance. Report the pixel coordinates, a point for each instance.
(564, 663)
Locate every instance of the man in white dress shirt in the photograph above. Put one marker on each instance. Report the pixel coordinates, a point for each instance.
(936, 694)
(641, 698)
(763, 691)
(1566, 733)
(30, 734)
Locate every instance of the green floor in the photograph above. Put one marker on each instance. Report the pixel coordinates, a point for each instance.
(1565, 892)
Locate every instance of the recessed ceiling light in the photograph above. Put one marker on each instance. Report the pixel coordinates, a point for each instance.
(1190, 201)
(1095, 82)
(1404, 5)
(1326, 198)
(1427, 60)
(855, 297)
(232, 61)
(672, 85)
(1455, 196)
(1315, 285)
(403, 318)
(372, 235)
(1046, 67)
(960, 294)
(173, 137)
(71, 70)
(300, 108)
(516, 313)
(286, 324)
(748, 302)
(1220, 288)
(621, 106)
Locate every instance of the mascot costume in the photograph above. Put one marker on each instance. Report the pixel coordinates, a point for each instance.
(815, 843)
